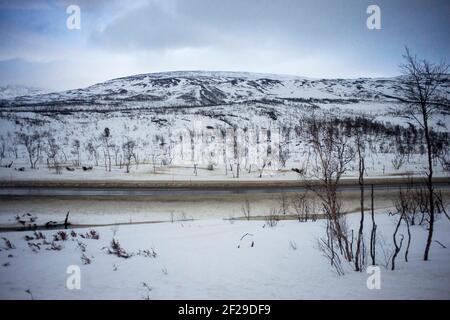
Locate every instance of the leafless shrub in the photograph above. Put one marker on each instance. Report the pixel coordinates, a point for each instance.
(148, 253)
(29, 292)
(386, 251)
(116, 249)
(328, 251)
(55, 247)
(26, 218)
(35, 247)
(39, 235)
(149, 289)
(284, 204)
(398, 161)
(61, 236)
(304, 208)
(246, 209)
(85, 259)
(81, 245)
(8, 244)
(272, 218)
(440, 204)
(91, 234)
(293, 245)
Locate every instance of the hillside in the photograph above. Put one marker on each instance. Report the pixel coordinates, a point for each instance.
(191, 118)
(201, 88)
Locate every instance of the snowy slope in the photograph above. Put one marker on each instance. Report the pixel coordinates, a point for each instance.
(200, 88)
(13, 91)
(179, 117)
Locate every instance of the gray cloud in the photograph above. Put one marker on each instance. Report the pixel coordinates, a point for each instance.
(153, 27)
(197, 23)
(319, 38)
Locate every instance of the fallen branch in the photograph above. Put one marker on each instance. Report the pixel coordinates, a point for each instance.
(440, 244)
(247, 234)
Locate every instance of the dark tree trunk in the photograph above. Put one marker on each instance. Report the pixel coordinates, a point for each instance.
(429, 185)
(397, 246)
(358, 264)
(374, 230)
(409, 240)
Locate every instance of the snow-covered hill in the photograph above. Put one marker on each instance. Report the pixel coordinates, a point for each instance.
(13, 91)
(191, 117)
(201, 88)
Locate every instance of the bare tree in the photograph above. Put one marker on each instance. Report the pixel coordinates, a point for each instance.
(33, 145)
(246, 209)
(284, 146)
(403, 206)
(12, 142)
(76, 146)
(129, 153)
(263, 166)
(360, 145)
(105, 137)
(52, 154)
(117, 157)
(155, 156)
(284, 203)
(2, 149)
(398, 246)
(303, 207)
(398, 161)
(91, 148)
(332, 154)
(420, 91)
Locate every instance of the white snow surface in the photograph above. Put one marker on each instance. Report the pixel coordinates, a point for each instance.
(207, 260)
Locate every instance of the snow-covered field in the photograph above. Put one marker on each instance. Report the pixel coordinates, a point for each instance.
(145, 172)
(207, 260)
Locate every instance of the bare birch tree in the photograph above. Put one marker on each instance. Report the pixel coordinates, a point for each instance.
(420, 90)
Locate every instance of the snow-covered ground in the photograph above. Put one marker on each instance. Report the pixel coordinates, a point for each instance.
(182, 120)
(207, 260)
(145, 172)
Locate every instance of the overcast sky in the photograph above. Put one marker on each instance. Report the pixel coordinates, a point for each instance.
(313, 38)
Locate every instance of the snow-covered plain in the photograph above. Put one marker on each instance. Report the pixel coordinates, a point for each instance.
(207, 260)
